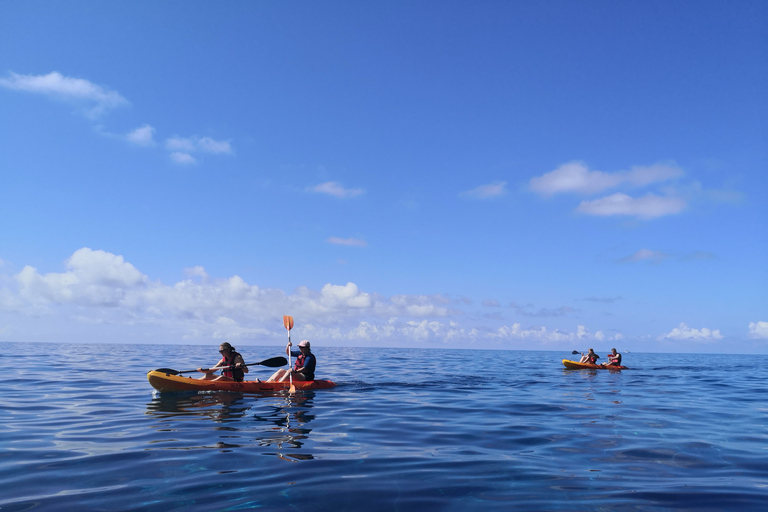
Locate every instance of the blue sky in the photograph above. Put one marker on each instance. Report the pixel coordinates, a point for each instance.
(521, 175)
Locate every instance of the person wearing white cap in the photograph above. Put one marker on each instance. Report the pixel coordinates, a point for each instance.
(303, 368)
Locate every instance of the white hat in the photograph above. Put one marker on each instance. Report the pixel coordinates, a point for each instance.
(304, 343)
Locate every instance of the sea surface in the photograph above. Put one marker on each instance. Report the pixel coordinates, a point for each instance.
(405, 429)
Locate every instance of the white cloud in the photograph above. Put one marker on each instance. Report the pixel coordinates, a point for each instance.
(182, 158)
(97, 99)
(647, 207)
(354, 242)
(572, 177)
(644, 255)
(516, 332)
(179, 144)
(196, 271)
(334, 189)
(492, 190)
(209, 145)
(347, 295)
(684, 333)
(543, 312)
(449, 331)
(419, 305)
(758, 330)
(576, 177)
(93, 278)
(196, 144)
(101, 288)
(142, 136)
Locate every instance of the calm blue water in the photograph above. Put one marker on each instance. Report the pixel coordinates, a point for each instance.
(426, 430)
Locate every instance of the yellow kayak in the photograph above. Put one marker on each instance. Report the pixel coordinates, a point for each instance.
(575, 365)
(168, 382)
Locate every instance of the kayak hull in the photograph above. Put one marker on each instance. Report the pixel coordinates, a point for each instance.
(168, 383)
(575, 365)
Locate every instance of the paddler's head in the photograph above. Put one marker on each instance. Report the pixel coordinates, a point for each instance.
(226, 349)
(304, 346)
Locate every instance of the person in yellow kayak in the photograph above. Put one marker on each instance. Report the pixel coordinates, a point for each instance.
(231, 360)
(590, 357)
(303, 368)
(614, 358)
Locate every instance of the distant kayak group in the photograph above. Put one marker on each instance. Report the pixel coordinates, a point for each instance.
(589, 361)
(302, 376)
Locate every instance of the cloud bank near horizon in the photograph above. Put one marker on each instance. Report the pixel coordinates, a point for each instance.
(98, 287)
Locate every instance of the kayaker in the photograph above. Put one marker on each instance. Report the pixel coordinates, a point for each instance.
(303, 368)
(614, 358)
(590, 357)
(229, 358)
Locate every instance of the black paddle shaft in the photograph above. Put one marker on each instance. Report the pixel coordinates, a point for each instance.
(272, 363)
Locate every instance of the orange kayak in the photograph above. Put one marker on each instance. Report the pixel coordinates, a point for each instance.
(575, 365)
(167, 382)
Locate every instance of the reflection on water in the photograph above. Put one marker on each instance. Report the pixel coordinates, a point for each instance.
(285, 425)
(217, 406)
(276, 419)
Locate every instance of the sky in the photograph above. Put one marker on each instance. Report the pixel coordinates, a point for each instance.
(430, 174)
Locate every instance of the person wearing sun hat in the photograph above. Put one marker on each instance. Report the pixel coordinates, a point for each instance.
(232, 362)
(303, 368)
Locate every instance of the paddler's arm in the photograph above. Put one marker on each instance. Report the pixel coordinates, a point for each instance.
(211, 369)
(240, 364)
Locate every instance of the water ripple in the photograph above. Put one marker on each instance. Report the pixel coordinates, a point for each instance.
(89, 433)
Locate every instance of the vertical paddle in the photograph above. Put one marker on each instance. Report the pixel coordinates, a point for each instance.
(288, 323)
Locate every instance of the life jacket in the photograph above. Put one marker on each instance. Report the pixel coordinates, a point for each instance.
(593, 359)
(236, 374)
(615, 359)
(309, 367)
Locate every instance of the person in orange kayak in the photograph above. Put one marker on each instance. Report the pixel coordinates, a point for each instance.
(231, 360)
(303, 368)
(614, 358)
(590, 357)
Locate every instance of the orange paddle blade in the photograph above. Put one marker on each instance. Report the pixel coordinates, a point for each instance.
(288, 322)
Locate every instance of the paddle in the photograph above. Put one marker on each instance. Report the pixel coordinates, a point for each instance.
(271, 362)
(288, 323)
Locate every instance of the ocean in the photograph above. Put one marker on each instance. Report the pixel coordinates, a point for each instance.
(405, 429)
